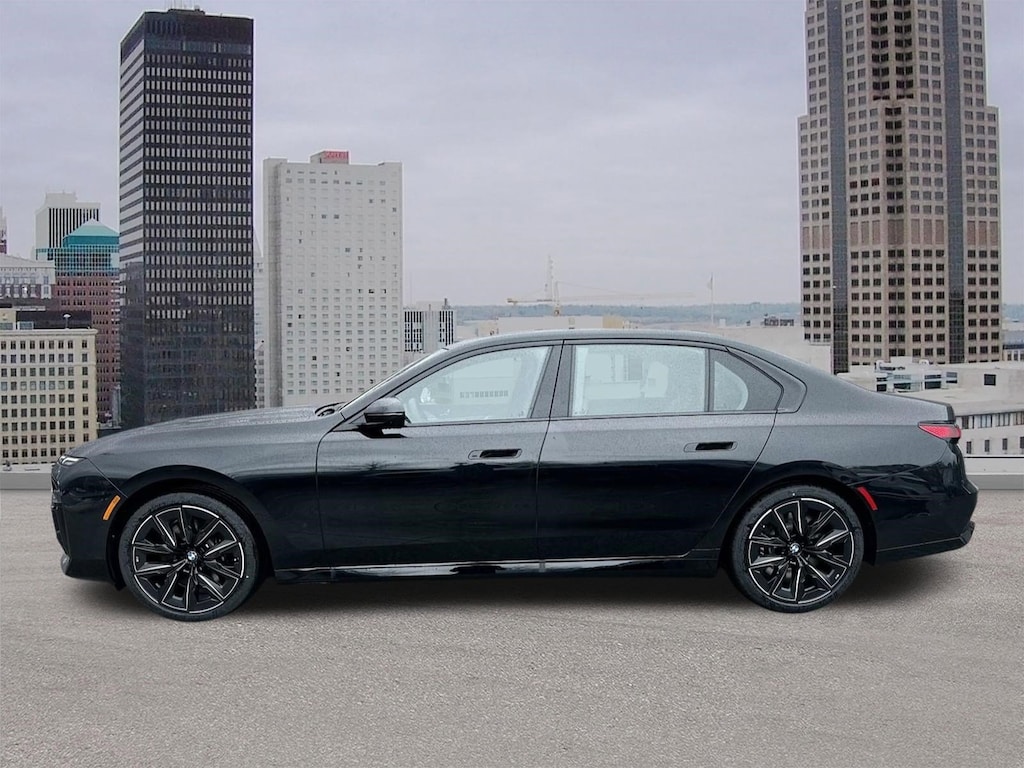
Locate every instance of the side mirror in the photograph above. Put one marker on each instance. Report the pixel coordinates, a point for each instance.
(384, 413)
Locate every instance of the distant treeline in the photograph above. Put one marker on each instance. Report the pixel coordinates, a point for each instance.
(733, 314)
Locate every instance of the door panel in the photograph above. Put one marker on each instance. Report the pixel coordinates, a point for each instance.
(647, 485)
(431, 494)
(652, 443)
(457, 484)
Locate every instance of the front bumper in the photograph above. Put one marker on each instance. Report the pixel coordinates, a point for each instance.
(79, 568)
(80, 495)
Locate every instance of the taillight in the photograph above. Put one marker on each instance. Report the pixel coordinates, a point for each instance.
(949, 432)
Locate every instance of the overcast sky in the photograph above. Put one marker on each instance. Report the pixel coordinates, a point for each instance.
(642, 145)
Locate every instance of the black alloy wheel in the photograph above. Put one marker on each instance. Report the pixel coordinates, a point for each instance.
(796, 549)
(188, 557)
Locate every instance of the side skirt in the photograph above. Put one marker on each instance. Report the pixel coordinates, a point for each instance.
(695, 563)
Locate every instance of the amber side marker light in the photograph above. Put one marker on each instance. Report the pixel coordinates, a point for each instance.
(941, 431)
(110, 507)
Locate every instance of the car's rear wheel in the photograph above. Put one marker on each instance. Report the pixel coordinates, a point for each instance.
(796, 549)
(188, 557)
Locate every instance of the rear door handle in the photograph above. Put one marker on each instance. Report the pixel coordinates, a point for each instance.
(496, 453)
(722, 446)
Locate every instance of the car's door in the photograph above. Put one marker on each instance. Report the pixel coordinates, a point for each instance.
(647, 444)
(457, 484)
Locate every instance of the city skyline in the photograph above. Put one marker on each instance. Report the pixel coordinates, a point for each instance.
(613, 138)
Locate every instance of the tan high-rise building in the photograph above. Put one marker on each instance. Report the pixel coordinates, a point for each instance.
(899, 183)
(47, 389)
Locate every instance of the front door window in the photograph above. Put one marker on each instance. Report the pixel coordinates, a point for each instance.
(498, 385)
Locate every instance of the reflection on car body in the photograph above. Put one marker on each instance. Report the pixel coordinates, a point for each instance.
(528, 453)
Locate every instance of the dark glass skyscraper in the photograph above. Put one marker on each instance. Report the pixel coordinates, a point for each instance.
(186, 216)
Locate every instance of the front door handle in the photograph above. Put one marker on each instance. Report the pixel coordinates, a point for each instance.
(496, 453)
(722, 446)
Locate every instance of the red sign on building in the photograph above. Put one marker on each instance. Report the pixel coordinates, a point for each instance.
(333, 156)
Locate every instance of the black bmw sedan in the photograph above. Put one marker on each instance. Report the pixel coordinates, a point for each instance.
(528, 454)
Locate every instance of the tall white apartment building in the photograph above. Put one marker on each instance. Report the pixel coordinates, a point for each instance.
(59, 216)
(259, 317)
(333, 255)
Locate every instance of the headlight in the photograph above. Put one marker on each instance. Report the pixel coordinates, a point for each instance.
(67, 461)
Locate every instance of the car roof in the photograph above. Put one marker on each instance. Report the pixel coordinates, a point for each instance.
(634, 334)
(794, 367)
(593, 333)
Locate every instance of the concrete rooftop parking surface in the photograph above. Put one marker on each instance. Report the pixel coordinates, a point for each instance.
(921, 663)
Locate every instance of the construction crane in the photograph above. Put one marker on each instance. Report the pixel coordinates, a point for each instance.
(553, 297)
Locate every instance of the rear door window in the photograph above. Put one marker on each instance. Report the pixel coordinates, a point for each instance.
(638, 379)
(649, 379)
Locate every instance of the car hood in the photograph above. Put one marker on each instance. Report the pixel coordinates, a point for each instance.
(195, 425)
(233, 419)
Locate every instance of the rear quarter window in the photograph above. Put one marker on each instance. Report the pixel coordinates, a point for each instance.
(738, 386)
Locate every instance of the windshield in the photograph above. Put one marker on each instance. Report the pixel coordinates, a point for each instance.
(379, 389)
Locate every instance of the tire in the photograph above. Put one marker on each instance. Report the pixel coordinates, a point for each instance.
(188, 557)
(796, 549)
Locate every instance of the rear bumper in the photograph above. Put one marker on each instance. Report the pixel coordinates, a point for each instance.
(926, 548)
(923, 511)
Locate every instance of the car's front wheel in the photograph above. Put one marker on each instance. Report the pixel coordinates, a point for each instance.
(796, 549)
(188, 557)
